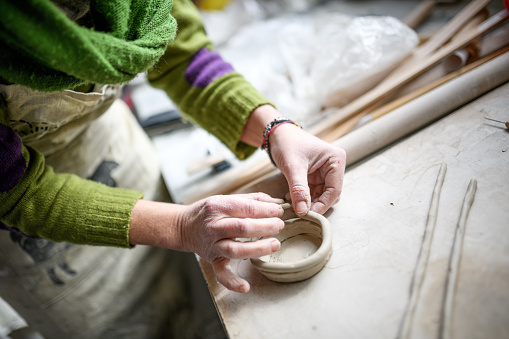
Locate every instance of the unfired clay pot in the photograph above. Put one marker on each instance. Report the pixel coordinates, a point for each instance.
(306, 246)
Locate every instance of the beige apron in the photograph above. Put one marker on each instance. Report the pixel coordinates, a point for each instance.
(65, 290)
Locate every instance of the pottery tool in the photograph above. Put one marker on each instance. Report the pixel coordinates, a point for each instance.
(506, 123)
(217, 162)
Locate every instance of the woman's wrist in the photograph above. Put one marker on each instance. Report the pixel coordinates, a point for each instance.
(258, 120)
(156, 224)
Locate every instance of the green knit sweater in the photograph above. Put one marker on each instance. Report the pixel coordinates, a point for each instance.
(64, 207)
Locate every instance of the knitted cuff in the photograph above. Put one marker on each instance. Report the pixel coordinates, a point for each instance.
(239, 99)
(107, 216)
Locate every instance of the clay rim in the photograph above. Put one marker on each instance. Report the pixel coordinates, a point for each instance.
(321, 255)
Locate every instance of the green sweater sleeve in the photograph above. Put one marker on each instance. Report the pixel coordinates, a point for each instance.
(58, 207)
(205, 88)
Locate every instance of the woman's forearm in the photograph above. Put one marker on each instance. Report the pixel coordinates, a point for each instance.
(156, 224)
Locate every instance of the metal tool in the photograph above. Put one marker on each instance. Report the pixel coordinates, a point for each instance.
(506, 123)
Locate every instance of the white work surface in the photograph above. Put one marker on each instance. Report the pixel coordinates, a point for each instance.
(378, 229)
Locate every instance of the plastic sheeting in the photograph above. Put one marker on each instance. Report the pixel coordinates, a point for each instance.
(298, 60)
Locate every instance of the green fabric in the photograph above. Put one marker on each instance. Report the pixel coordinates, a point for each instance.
(64, 207)
(223, 107)
(44, 50)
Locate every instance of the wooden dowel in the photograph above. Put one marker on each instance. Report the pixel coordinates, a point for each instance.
(376, 94)
(438, 39)
(420, 13)
(424, 89)
(429, 107)
(348, 125)
(452, 27)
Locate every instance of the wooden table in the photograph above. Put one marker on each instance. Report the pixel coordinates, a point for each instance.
(378, 227)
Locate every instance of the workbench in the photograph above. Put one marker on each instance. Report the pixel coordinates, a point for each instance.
(378, 228)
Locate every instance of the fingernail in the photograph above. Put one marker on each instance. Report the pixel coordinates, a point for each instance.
(301, 208)
(274, 245)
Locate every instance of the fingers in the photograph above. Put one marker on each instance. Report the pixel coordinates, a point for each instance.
(239, 250)
(227, 278)
(299, 190)
(332, 178)
(246, 206)
(325, 179)
(260, 196)
(247, 227)
(250, 249)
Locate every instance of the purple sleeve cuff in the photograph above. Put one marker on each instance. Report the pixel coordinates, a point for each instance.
(204, 67)
(12, 163)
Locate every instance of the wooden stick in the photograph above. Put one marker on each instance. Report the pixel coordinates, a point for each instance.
(461, 57)
(381, 111)
(344, 128)
(437, 40)
(376, 94)
(387, 108)
(452, 27)
(426, 108)
(226, 182)
(417, 93)
(348, 125)
(431, 45)
(440, 69)
(209, 161)
(420, 13)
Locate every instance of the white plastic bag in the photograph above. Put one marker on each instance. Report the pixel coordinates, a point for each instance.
(298, 61)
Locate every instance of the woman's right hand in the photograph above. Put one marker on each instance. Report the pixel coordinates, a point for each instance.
(210, 228)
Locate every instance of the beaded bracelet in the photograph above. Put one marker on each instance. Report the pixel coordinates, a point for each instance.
(269, 128)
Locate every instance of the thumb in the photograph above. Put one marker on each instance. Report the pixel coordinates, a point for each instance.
(299, 191)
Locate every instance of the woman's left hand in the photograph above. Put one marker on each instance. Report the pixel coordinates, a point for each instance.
(313, 168)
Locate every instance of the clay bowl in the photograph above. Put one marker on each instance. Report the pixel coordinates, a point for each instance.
(306, 246)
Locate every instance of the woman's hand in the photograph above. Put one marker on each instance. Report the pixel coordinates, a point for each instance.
(313, 168)
(210, 228)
